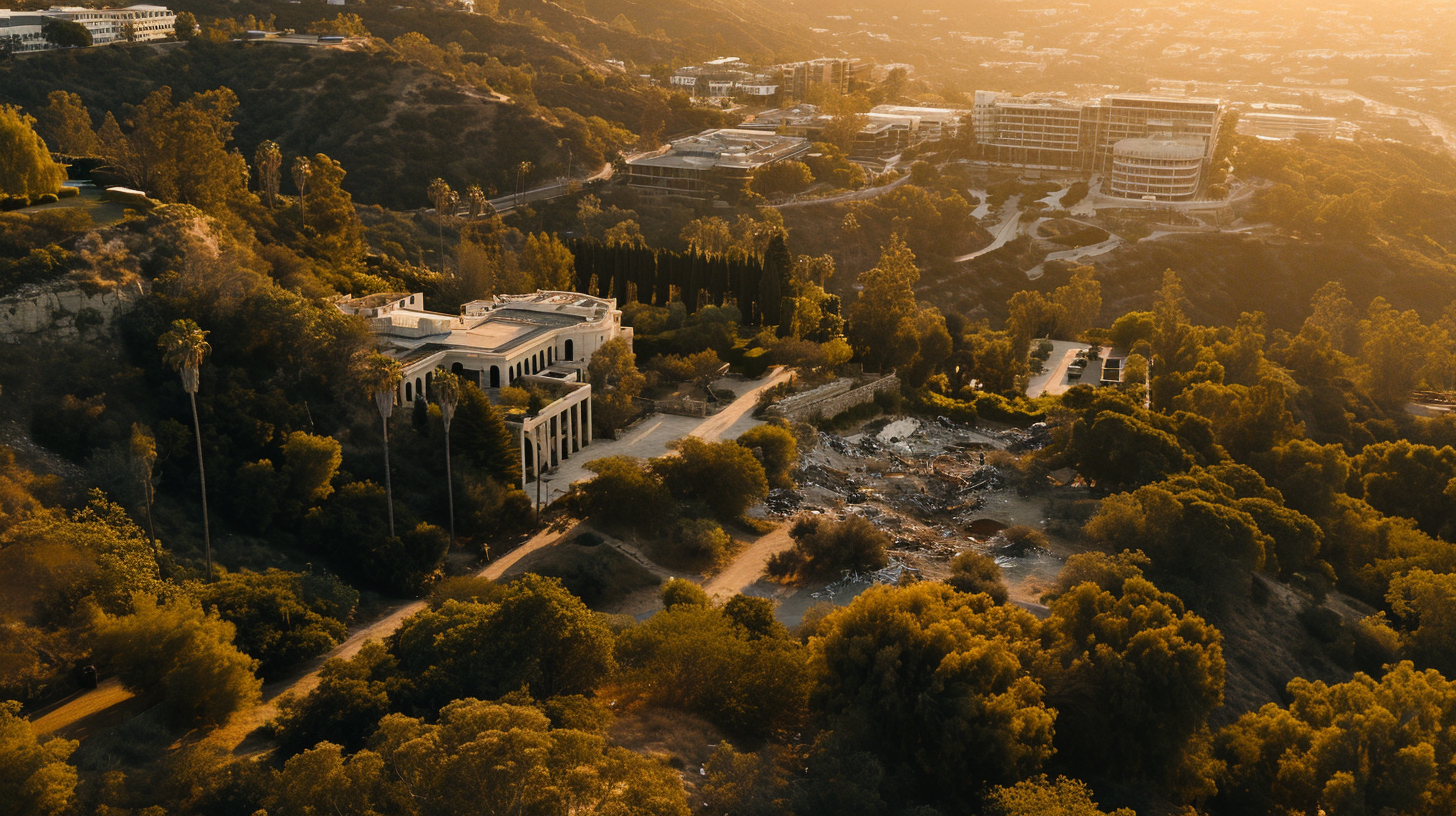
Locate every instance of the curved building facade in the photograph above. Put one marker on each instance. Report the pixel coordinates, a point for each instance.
(1165, 169)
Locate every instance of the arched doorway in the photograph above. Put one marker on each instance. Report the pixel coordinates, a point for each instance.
(429, 377)
(457, 369)
(495, 376)
(419, 392)
(568, 351)
(408, 397)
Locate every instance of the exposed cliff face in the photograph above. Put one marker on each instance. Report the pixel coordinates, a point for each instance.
(62, 310)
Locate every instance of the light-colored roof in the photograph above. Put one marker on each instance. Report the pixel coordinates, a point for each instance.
(1160, 148)
(729, 147)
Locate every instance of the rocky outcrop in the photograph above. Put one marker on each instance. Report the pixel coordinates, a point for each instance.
(63, 310)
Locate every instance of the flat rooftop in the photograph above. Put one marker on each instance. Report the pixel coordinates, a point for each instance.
(729, 147)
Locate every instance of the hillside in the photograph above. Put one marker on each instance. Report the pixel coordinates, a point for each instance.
(410, 111)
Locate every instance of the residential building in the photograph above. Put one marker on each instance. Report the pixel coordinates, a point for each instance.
(713, 165)
(1157, 169)
(541, 341)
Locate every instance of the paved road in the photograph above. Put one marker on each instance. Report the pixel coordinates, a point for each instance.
(650, 436)
(857, 195)
(1005, 231)
(549, 190)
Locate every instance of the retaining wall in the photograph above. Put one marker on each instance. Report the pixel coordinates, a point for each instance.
(832, 399)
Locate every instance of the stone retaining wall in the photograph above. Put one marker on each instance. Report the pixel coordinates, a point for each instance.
(62, 311)
(833, 399)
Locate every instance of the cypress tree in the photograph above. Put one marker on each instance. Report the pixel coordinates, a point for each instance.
(774, 282)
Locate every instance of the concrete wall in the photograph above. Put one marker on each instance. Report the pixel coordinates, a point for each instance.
(833, 400)
(62, 311)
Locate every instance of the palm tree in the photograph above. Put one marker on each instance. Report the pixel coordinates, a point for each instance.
(447, 393)
(381, 376)
(476, 201)
(523, 171)
(440, 194)
(302, 171)
(183, 348)
(269, 160)
(144, 454)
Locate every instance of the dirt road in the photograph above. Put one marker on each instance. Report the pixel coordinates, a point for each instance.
(749, 565)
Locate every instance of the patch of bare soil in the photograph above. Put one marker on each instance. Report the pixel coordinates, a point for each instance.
(1265, 646)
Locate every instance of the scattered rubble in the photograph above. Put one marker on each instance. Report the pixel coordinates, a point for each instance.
(930, 487)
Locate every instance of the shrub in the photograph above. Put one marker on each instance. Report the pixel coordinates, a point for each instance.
(701, 540)
(47, 198)
(972, 572)
(755, 363)
(828, 547)
(779, 451)
(182, 652)
(68, 192)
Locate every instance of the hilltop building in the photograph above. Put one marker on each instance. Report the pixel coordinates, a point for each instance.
(1056, 134)
(141, 23)
(934, 123)
(724, 77)
(713, 165)
(541, 341)
(829, 73)
(883, 135)
(1281, 126)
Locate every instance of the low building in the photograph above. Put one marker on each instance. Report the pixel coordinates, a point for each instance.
(541, 341)
(1281, 126)
(21, 31)
(1162, 169)
(723, 78)
(882, 136)
(932, 124)
(141, 23)
(713, 165)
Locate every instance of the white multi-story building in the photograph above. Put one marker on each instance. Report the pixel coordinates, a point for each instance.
(1157, 169)
(1058, 134)
(141, 23)
(541, 341)
(21, 30)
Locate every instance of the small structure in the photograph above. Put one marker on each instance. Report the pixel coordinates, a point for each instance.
(541, 341)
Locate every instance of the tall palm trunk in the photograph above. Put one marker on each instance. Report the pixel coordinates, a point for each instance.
(151, 528)
(450, 488)
(202, 476)
(388, 484)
